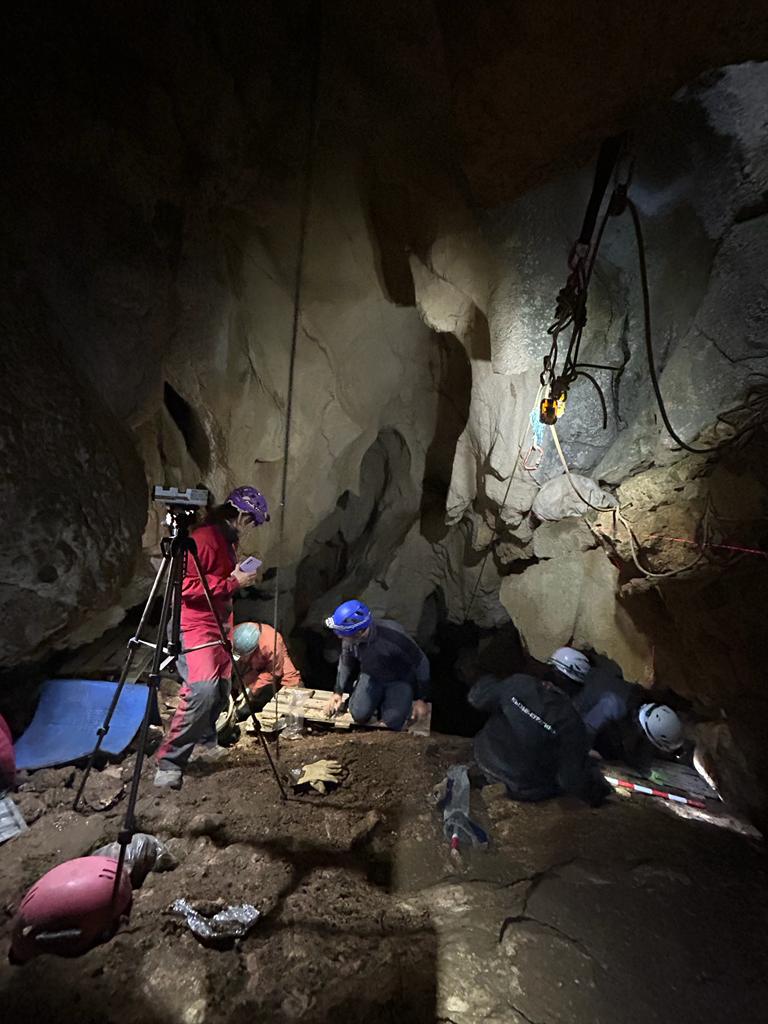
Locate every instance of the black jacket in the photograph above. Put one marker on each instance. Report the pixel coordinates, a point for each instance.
(534, 742)
(609, 706)
(387, 654)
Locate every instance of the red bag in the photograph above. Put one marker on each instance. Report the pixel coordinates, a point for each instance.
(7, 757)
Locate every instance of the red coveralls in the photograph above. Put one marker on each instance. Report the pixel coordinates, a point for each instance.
(207, 674)
(266, 659)
(7, 757)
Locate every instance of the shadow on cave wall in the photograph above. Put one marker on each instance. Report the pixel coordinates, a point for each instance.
(452, 374)
(353, 545)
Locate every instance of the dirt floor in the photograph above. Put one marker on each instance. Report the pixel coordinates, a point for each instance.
(625, 915)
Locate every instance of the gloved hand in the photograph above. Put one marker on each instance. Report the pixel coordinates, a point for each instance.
(320, 773)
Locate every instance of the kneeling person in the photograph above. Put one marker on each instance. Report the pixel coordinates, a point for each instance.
(622, 724)
(388, 670)
(264, 662)
(534, 741)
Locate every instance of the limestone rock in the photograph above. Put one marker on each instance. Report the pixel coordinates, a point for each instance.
(561, 538)
(442, 306)
(603, 623)
(561, 497)
(495, 56)
(543, 602)
(73, 500)
(487, 451)
(572, 599)
(513, 549)
(206, 824)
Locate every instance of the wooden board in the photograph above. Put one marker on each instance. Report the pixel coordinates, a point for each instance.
(314, 710)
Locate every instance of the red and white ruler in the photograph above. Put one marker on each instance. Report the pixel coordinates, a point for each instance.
(652, 791)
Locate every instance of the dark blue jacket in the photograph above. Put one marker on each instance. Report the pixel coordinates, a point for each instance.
(608, 706)
(387, 654)
(534, 742)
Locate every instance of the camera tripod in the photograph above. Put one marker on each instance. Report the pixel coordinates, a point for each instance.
(176, 551)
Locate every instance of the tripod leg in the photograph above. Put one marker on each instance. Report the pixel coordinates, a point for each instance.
(173, 584)
(133, 644)
(275, 690)
(237, 675)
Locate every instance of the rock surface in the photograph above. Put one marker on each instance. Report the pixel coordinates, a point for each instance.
(562, 538)
(73, 496)
(151, 217)
(364, 916)
(523, 64)
(572, 599)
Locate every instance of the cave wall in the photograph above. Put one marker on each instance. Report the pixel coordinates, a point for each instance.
(699, 183)
(153, 174)
(152, 207)
(73, 495)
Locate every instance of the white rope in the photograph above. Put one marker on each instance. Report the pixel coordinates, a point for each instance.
(618, 514)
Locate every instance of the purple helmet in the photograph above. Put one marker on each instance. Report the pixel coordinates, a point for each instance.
(252, 502)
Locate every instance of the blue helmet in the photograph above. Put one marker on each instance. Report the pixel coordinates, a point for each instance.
(245, 638)
(350, 618)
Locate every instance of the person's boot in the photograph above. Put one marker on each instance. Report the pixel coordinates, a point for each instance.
(168, 778)
(209, 754)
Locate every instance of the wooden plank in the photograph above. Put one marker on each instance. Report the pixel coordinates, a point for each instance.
(313, 709)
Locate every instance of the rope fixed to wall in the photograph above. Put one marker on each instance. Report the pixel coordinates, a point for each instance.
(314, 20)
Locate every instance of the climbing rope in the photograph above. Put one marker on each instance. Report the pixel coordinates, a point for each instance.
(304, 211)
(648, 334)
(571, 305)
(754, 421)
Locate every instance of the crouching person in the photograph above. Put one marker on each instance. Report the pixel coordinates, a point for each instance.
(622, 724)
(386, 671)
(264, 664)
(534, 741)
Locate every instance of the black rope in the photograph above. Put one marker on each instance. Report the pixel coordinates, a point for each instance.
(601, 366)
(306, 201)
(606, 161)
(600, 395)
(649, 336)
(571, 306)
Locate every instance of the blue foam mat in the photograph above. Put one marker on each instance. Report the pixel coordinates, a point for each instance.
(68, 715)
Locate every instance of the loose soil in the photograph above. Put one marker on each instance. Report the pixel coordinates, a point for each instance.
(625, 915)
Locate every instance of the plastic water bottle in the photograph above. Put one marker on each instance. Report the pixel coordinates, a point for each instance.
(294, 719)
(458, 827)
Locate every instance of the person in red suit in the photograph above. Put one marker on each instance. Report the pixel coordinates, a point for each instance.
(207, 673)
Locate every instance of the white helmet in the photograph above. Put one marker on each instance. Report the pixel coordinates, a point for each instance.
(571, 663)
(662, 726)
